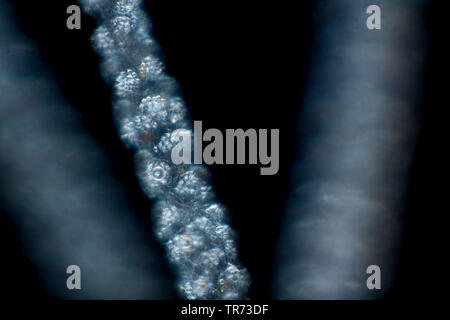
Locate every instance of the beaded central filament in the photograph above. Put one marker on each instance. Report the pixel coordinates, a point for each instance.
(151, 117)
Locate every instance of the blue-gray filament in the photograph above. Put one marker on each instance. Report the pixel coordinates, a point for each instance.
(151, 117)
(357, 130)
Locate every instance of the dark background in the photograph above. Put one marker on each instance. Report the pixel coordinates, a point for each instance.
(239, 66)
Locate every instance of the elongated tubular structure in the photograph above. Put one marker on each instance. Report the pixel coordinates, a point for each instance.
(58, 191)
(151, 117)
(357, 130)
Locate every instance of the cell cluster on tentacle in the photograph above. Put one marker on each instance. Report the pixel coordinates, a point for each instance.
(151, 116)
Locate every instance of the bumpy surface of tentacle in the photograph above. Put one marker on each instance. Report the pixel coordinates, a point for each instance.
(151, 117)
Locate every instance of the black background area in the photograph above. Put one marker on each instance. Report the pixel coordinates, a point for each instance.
(239, 65)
